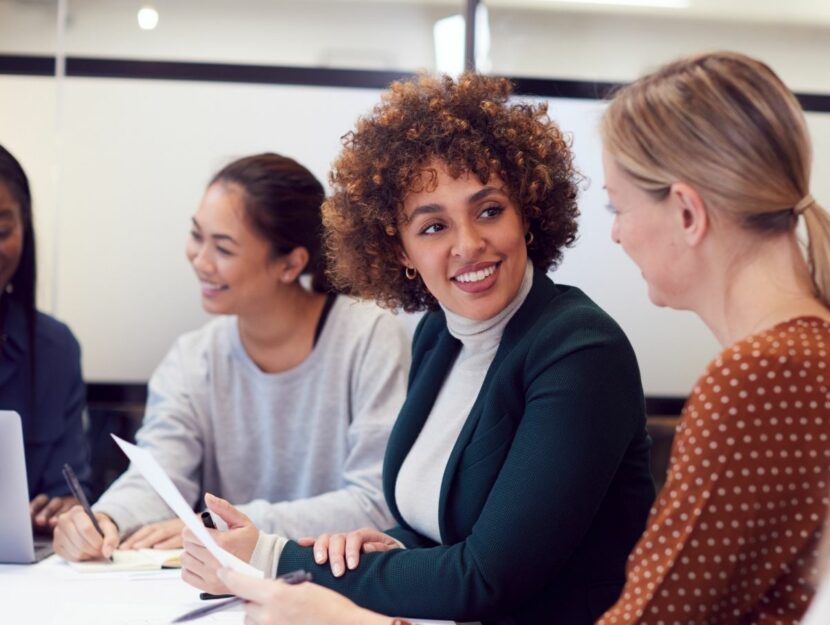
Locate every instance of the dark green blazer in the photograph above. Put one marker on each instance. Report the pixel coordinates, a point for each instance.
(546, 490)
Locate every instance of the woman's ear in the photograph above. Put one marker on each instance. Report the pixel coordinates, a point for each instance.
(295, 261)
(405, 260)
(691, 211)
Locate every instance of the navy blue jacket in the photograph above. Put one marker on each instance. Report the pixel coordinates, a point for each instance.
(52, 426)
(546, 490)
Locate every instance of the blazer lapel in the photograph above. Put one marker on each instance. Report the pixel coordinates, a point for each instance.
(420, 398)
(519, 326)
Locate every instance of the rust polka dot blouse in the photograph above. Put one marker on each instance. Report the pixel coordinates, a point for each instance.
(733, 534)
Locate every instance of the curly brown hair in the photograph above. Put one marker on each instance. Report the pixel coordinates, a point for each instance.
(470, 126)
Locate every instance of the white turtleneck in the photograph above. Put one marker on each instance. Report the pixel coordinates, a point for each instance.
(419, 480)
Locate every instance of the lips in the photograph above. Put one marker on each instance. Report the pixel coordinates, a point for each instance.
(477, 277)
(210, 289)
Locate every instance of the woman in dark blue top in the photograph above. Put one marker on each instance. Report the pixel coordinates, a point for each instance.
(40, 360)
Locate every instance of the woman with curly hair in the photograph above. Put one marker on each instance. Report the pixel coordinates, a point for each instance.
(518, 469)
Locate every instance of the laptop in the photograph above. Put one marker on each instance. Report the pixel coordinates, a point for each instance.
(17, 541)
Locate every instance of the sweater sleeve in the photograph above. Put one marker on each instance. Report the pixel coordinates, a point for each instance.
(172, 433)
(378, 389)
(565, 452)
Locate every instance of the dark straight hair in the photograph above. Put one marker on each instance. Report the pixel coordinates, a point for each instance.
(24, 279)
(283, 204)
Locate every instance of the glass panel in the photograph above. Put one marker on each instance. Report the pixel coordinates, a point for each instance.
(387, 35)
(620, 40)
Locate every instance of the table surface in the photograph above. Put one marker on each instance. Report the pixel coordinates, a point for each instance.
(52, 593)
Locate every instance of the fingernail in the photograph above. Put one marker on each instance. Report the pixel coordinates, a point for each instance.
(338, 570)
(352, 562)
(318, 557)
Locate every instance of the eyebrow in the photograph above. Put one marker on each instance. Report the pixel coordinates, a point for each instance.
(429, 209)
(215, 237)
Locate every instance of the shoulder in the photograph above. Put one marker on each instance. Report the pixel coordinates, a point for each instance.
(214, 335)
(360, 322)
(786, 360)
(54, 336)
(568, 321)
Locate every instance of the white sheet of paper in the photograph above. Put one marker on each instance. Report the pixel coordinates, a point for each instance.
(151, 470)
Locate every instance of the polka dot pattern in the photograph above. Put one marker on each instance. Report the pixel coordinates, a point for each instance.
(732, 537)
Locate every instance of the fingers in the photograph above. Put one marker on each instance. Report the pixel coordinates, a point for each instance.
(233, 517)
(51, 508)
(337, 550)
(354, 543)
(154, 534)
(306, 541)
(37, 504)
(174, 542)
(199, 569)
(321, 549)
(110, 535)
(139, 535)
(77, 539)
(249, 588)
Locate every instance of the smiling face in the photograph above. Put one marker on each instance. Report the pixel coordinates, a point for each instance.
(11, 235)
(466, 240)
(234, 265)
(645, 228)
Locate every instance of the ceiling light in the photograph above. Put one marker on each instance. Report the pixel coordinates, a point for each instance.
(148, 18)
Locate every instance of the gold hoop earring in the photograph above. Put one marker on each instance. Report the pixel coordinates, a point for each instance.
(411, 273)
(529, 238)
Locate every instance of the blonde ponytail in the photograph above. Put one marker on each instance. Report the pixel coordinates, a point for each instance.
(726, 124)
(817, 221)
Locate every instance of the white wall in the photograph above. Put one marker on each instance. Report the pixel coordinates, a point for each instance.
(118, 166)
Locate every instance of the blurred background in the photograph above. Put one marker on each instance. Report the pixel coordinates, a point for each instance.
(121, 110)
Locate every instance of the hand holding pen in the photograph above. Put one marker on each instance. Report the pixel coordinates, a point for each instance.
(80, 534)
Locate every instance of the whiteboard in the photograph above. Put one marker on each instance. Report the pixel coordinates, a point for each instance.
(120, 170)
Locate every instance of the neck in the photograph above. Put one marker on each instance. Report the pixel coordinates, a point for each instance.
(281, 320)
(766, 287)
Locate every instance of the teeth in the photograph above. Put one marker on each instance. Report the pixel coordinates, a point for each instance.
(476, 276)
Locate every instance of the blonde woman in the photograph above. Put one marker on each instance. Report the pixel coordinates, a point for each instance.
(707, 167)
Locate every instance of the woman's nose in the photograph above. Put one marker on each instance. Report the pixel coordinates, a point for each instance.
(468, 242)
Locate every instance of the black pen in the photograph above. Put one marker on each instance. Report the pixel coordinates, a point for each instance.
(294, 577)
(78, 493)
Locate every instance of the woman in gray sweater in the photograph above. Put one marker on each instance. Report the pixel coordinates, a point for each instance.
(283, 404)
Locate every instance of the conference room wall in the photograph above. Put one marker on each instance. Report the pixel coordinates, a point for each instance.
(116, 186)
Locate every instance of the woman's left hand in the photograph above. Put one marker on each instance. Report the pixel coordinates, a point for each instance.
(199, 567)
(45, 510)
(272, 602)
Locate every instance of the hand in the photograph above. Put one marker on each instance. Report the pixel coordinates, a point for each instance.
(199, 567)
(161, 535)
(335, 547)
(270, 602)
(76, 538)
(45, 510)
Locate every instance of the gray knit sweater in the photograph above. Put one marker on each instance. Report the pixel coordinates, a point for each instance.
(302, 449)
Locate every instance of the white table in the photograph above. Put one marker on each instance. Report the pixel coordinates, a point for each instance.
(51, 593)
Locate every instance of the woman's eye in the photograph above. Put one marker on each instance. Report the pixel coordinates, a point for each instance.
(492, 210)
(431, 229)
(223, 251)
(195, 235)
(5, 234)
(612, 209)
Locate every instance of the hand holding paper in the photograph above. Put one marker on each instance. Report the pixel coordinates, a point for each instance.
(163, 485)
